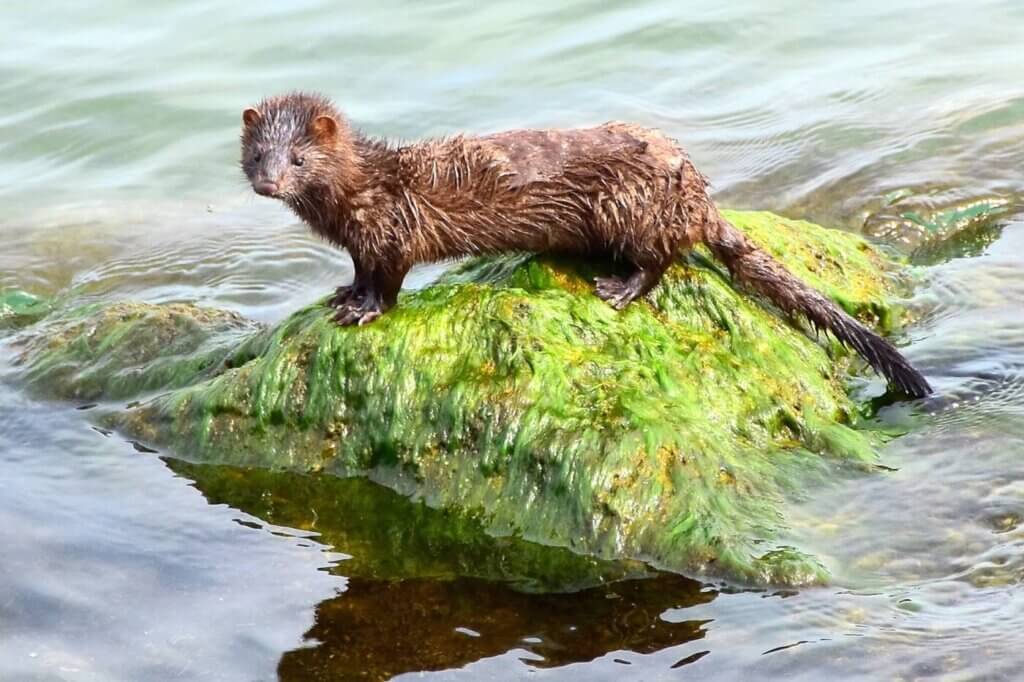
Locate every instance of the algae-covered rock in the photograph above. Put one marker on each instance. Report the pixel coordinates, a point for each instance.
(669, 432)
(125, 349)
(19, 308)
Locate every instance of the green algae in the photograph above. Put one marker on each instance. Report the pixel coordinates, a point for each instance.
(670, 433)
(20, 308)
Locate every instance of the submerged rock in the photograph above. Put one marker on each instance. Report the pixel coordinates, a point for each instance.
(669, 433)
(122, 350)
(19, 308)
(935, 224)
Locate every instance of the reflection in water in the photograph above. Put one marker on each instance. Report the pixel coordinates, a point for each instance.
(387, 536)
(429, 590)
(384, 628)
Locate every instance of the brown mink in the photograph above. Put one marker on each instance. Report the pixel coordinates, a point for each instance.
(617, 190)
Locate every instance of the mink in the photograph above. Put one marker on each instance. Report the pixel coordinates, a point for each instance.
(617, 191)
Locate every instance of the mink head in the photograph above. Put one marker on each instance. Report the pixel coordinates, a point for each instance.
(293, 143)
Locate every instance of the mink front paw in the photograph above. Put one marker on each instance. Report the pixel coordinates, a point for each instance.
(359, 313)
(345, 295)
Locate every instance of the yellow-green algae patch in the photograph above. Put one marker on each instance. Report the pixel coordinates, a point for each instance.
(670, 432)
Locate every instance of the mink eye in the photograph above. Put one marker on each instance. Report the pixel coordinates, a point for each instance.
(298, 160)
(257, 157)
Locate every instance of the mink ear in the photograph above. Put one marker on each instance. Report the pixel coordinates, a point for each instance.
(250, 117)
(324, 128)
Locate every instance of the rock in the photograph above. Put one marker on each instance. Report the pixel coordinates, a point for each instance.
(669, 433)
(20, 308)
(123, 350)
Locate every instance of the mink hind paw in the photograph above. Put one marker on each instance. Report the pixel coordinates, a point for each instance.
(618, 293)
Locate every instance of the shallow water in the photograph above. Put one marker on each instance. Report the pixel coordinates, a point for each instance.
(118, 177)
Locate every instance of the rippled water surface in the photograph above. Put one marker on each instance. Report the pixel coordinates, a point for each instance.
(119, 179)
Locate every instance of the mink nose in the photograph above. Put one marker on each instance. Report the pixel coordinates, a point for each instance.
(265, 187)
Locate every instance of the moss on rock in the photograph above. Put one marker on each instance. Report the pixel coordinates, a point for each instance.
(123, 350)
(20, 308)
(670, 432)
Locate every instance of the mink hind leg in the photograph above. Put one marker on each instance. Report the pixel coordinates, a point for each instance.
(621, 291)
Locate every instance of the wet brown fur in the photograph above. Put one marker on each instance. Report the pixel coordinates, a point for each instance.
(617, 190)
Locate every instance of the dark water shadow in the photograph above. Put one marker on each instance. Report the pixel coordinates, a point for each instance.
(429, 590)
(378, 629)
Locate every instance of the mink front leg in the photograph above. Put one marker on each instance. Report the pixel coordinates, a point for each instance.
(350, 293)
(380, 295)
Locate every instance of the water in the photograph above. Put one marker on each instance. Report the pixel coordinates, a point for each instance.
(119, 179)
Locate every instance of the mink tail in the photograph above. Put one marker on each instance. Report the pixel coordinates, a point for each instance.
(753, 268)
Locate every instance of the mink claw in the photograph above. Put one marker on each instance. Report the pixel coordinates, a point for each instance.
(369, 317)
(357, 314)
(341, 317)
(345, 316)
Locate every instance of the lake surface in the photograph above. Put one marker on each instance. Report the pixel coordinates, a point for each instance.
(119, 179)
